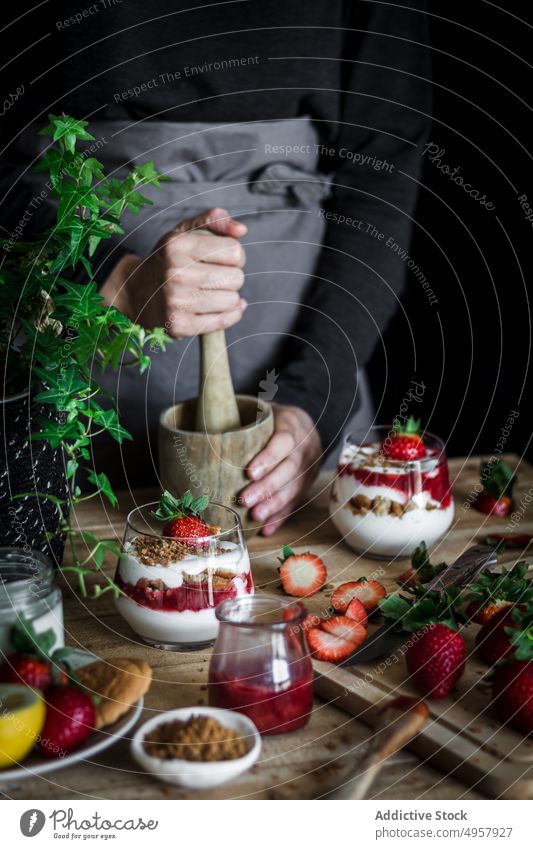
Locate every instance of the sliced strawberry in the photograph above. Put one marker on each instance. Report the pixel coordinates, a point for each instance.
(346, 629)
(302, 574)
(312, 620)
(357, 612)
(369, 594)
(329, 646)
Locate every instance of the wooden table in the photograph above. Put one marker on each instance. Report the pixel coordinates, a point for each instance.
(305, 764)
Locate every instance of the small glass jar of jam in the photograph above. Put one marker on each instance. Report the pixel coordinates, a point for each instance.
(260, 664)
(28, 591)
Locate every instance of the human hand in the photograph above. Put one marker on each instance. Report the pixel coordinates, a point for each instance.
(190, 282)
(283, 469)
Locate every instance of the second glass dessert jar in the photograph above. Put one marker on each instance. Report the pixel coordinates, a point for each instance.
(260, 664)
(385, 507)
(170, 588)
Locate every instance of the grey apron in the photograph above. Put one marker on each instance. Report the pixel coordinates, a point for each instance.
(266, 175)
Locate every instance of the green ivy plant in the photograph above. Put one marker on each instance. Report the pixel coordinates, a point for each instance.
(59, 332)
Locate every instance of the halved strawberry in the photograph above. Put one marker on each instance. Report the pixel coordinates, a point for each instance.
(329, 646)
(301, 575)
(346, 629)
(357, 612)
(312, 620)
(369, 594)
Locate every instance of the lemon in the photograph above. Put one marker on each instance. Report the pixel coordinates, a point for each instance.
(22, 714)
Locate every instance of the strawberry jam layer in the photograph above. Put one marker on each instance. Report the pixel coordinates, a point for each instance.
(156, 596)
(273, 711)
(436, 483)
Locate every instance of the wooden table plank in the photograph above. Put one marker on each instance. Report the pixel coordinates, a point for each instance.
(305, 764)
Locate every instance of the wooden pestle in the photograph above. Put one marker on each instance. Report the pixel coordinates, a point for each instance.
(217, 410)
(395, 725)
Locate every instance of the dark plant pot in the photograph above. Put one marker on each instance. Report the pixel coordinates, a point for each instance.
(33, 467)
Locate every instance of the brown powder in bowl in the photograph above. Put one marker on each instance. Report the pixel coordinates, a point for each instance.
(200, 738)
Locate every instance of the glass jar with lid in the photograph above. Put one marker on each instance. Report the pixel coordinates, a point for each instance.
(28, 591)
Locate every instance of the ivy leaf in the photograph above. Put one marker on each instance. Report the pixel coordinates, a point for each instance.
(109, 420)
(101, 481)
(67, 128)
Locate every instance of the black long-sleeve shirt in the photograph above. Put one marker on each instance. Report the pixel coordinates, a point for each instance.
(359, 68)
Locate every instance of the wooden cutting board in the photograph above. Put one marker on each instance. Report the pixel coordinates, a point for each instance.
(462, 736)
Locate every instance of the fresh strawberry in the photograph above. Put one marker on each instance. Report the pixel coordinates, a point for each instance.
(312, 620)
(486, 503)
(357, 612)
(512, 694)
(492, 640)
(369, 594)
(435, 659)
(329, 646)
(405, 443)
(20, 668)
(70, 718)
(492, 591)
(496, 497)
(408, 578)
(346, 629)
(34, 662)
(481, 613)
(301, 574)
(182, 518)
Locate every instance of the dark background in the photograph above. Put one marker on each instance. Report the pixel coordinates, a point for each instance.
(472, 348)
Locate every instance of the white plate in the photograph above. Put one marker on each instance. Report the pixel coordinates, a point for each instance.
(35, 764)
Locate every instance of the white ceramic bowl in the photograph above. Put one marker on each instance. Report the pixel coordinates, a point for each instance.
(198, 775)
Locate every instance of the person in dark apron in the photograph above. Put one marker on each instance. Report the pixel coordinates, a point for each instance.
(303, 169)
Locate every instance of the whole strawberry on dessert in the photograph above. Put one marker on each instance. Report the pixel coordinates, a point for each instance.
(182, 518)
(405, 442)
(301, 575)
(496, 497)
(70, 718)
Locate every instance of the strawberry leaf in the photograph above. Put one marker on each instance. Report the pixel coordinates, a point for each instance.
(25, 639)
(171, 507)
(498, 478)
(286, 553)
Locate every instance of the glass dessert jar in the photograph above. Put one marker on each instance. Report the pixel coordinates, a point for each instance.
(385, 507)
(260, 665)
(171, 585)
(28, 591)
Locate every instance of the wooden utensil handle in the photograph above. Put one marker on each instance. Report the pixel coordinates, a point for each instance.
(392, 733)
(217, 409)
